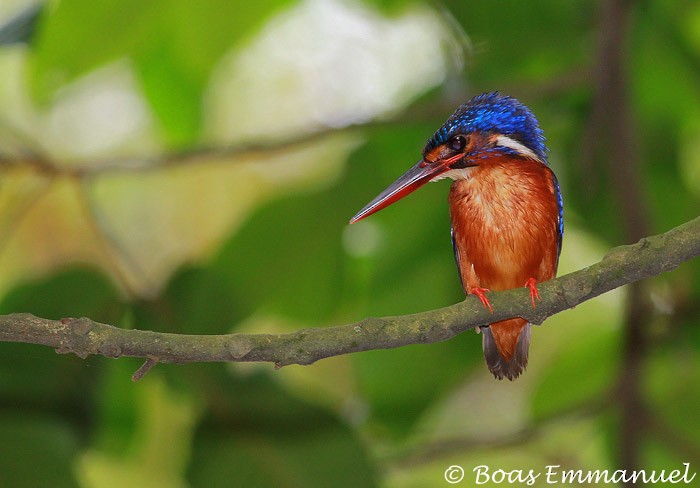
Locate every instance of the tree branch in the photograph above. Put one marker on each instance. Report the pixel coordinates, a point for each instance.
(622, 265)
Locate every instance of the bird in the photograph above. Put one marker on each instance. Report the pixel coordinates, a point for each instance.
(506, 211)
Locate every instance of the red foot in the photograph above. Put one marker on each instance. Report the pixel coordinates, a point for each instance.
(480, 294)
(532, 285)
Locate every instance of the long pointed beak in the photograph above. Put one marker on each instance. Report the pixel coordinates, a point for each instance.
(419, 174)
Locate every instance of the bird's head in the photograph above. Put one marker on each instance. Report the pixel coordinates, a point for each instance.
(488, 127)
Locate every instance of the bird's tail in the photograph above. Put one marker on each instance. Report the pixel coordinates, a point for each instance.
(506, 345)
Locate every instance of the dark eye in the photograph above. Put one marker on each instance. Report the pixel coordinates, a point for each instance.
(458, 143)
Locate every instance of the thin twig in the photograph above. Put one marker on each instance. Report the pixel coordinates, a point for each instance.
(144, 369)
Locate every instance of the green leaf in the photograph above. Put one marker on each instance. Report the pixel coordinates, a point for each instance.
(201, 32)
(584, 371)
(400, 384)
(499, 28)
(186, 42)
(670, 394)
(197, 301)
(117, 406)
(73, 292)
(144, 436)
(77, 36)
(175, 45)
(173, 92)
(673, 376)
(36, 451)
(260, 436)
(288, 258)
(280, 261)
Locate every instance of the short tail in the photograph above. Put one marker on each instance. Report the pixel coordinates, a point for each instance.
(506, 345)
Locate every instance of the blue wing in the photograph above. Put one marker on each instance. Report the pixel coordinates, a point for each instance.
(456, 253)
(560, 220)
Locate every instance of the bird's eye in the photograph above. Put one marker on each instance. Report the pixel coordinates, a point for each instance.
(458, 143)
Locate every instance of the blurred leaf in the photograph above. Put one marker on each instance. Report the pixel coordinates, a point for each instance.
(669, 90)
(665, 93)
(175, 44)
(498, 29)
(161, 219)
(73, 292)
(186, 43)
(670, 396)
(280, 260)
(400, 384)
(158, 430)
(116, 407)
(201, 32)
(584, 372)
(260, 436)
(173, 92)
(657, 455)
(316, 458)
(36, 451)
(673, 374)
(288, 257)
(77, 36)
(196, 301)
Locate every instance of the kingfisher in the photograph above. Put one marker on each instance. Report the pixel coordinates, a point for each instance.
(506, 211)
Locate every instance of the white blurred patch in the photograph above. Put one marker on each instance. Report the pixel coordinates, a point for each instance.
(455, 174)
(355, 411)
(98, 114)
(11, 8)
(662, 300)
(362, 239)
(326, 63)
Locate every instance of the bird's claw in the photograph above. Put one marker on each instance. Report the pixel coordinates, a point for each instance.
(481, 295)
(531, 283)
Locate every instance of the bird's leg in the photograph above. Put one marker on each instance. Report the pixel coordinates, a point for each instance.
(481, 295)
(531, 283)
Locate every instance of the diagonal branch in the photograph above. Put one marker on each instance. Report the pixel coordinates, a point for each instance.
(43, 163)
(622, 265)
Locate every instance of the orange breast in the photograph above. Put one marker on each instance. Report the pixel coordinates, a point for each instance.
(504, 223)
(504, 219)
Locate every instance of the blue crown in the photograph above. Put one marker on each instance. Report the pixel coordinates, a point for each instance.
(496, 113)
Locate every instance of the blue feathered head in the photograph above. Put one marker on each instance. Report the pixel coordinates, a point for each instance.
(495, 114)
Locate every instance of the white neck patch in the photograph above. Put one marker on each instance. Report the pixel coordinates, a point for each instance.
(506, 141)
(455, 174)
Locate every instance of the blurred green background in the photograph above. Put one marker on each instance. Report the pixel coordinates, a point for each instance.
(190, 167)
